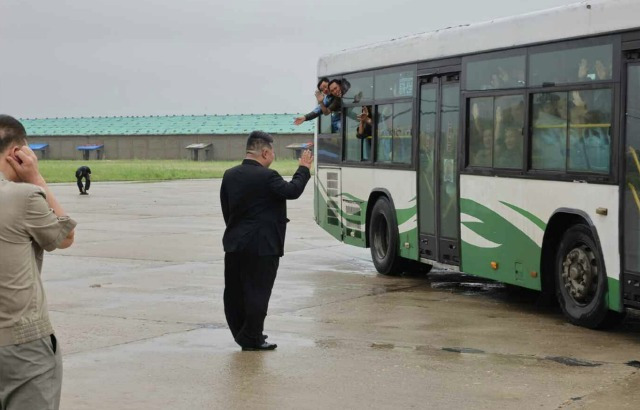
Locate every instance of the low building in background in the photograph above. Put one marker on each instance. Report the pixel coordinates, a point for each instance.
(164, 137)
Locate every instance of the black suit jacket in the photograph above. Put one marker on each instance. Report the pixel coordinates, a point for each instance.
(254, 206)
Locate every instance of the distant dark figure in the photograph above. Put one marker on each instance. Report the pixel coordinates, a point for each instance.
(83, 172)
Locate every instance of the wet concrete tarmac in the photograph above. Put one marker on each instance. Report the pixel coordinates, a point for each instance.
(137, 304)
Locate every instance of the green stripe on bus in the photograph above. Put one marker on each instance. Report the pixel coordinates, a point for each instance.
(527, 215)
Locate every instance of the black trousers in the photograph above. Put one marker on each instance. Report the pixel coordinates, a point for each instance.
(87, 184)
(248, 280)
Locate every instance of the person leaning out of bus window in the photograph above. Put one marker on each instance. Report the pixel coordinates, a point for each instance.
(365, 131)
(324, 100)
(334, 107)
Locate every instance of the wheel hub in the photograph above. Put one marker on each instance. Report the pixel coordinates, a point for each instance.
(580, 274)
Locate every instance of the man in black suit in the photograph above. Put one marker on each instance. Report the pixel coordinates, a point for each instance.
(254, 207)
(83, 172)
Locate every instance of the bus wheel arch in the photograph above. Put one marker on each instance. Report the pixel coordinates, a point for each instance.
(573, 270)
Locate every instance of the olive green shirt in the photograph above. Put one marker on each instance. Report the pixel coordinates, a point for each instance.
(27, 227)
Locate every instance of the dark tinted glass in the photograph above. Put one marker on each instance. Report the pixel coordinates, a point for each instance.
(395, 84)
(579, 64)
(496, 73)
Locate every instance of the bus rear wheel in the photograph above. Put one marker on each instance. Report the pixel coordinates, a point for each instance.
(383, 238)
(581, 281)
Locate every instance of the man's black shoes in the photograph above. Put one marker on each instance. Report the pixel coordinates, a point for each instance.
(264, 346)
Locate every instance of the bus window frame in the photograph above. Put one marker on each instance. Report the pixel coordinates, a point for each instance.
(612, 178)
(516, 52)
(360, 74)
(464, 159)
(614, 40)
(373, 163)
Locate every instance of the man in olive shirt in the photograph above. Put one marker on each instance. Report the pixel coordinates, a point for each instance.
(31, 220)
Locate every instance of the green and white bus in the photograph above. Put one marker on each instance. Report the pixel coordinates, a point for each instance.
(507, 149)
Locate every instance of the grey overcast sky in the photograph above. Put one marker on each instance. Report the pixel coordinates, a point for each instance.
(62, 58)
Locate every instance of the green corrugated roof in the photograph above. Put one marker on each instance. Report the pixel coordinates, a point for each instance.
(171, 124)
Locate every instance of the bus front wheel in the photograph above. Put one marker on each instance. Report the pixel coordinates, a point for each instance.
(383, 238)
(581, 282)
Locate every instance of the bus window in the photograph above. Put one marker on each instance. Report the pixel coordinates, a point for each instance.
(394, 133)
(577, 64)
(402, 113)
(385, 132)
(329, 150)
(590, 130)
(508, 132)
(481, 132)
(325, 124)
(358, 134)
(361, 89)
(549, 136)
(495, 73)
(395, 84)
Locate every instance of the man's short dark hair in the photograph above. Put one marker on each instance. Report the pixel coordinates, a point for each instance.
(335, 81)
(323, 80)
(258, 140)
(11, 132)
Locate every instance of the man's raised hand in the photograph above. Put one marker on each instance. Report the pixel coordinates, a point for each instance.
(306, 159)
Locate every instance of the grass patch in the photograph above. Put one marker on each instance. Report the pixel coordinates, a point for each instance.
(148, 170)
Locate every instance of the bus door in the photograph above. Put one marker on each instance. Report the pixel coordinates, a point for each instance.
(439, 121)
(631, 192)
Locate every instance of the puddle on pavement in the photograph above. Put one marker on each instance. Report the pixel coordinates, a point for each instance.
(464, 284)
(382, 346)
(570, 361)
(463, 350)
(633, 363)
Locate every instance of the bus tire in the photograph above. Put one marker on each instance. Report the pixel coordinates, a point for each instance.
(383, 238)
(581, 281)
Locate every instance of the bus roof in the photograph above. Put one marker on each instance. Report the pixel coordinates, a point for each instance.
(575, 20)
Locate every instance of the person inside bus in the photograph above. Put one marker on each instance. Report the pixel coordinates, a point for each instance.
(549, 138)
(578, 160)
(481, 133)
(597, 141)
(365, 131)
(596, 71)
(385, 134)
(482, 155)
(509, 155)
(324, 100)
